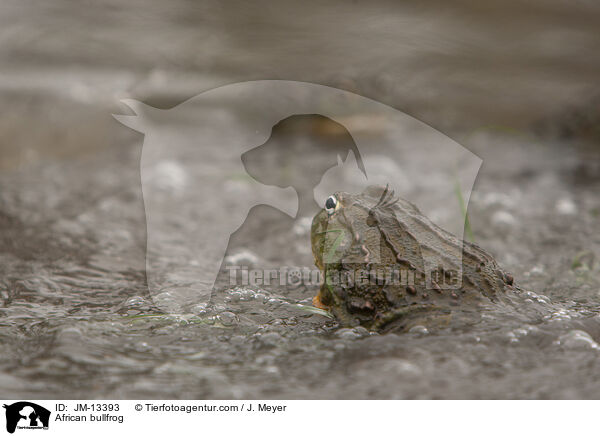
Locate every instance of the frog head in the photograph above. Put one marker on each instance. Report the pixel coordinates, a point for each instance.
(345, 238)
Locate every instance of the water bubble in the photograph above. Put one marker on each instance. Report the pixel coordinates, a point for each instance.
(219, 308)
(141, 346)
(167, 302)
(244, 257)
(291, 321)
(419, 329)
(537, 270)
(503, 219)
(520, 332)
(228, 318)
(200, 309)
(566, 206)
(235, 296)
(270, 338)
(536, 297)
(69, 334)
(559, 315)
(261, 298)
(136, 301)
(272, 369)
(361, 331)
(401, 367)
(347, 334)
(275, 302)
(197, 356)
(512, 338)
(577, 340)
(247, 295)
(169, 175)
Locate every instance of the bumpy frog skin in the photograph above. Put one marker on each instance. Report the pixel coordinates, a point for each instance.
(386, 266)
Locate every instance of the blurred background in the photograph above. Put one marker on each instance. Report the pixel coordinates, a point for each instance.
(514, 81)
(512, 65)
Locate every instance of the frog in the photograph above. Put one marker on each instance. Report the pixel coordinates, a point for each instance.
(385, 266)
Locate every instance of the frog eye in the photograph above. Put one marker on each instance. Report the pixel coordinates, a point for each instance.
(331, 204)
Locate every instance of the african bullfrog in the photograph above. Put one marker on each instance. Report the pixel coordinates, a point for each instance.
(386, 266)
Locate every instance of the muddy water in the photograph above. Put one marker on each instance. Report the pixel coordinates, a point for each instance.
(77, 319)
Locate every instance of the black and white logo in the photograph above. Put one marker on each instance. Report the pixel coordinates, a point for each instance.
(26, 415)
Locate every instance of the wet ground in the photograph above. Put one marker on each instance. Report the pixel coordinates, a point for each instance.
(77, 319)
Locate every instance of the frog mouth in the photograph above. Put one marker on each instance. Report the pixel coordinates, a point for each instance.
(316, 301)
